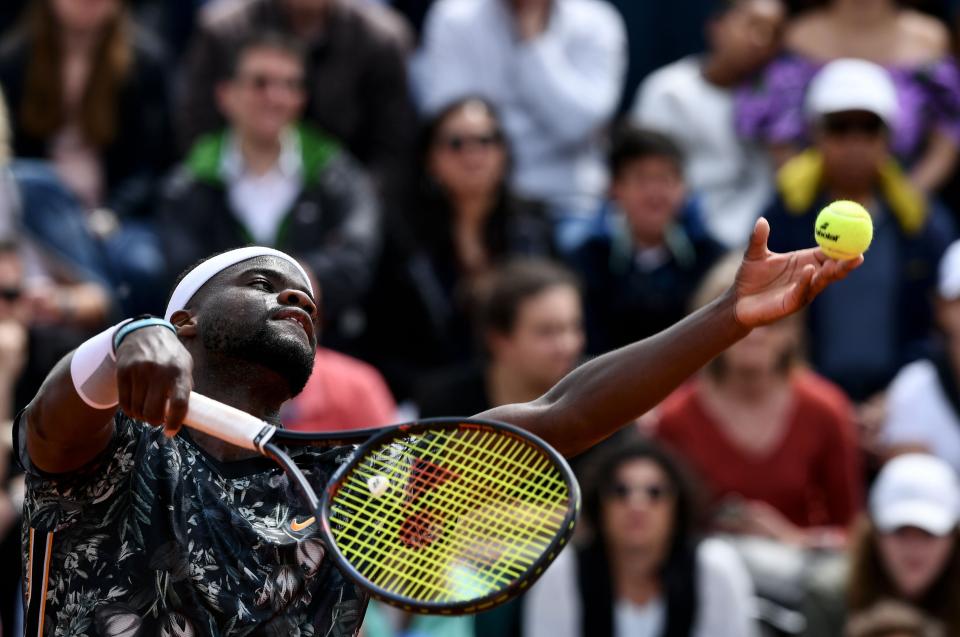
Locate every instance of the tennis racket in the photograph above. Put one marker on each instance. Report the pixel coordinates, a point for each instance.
(440, 516)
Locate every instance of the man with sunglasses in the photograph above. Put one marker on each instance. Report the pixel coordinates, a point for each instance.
(864, 329)
(270, 180)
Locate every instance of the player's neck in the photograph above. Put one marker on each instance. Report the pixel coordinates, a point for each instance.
(249, 387)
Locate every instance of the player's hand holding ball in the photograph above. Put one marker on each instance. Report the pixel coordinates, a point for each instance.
(844, 230)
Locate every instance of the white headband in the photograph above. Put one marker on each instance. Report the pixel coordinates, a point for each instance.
(196, 278)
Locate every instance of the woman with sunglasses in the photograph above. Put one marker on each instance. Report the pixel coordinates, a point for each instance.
(644, 572)
(462, 221)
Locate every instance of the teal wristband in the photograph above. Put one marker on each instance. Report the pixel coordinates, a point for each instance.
(137, 324)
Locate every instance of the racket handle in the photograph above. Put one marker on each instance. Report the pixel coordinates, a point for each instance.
(227, 423)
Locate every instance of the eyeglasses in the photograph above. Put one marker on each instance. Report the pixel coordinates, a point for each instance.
(845, 125)
(261, 82)
(460, 143)
(652, 493)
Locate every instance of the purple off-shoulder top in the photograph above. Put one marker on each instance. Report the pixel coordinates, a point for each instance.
(770, 109)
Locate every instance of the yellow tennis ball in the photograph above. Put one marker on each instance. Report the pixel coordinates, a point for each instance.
(844, 230)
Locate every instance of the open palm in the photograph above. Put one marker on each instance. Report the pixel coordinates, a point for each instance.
(770, 286)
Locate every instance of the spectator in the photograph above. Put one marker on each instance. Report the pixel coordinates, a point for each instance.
(268, 180)
(464, 220)
(355, 85)
(915, 49)
(659, 33)
(533, 332)
(851, 105)
(53, 280)
(48, 298)
(773, 441)
(641, 274)
(691, 101)
(530, 320)
(923, 401)
(87, 90)
(904, 550)
(892, 619)
(644, 572)
(555, 70)
(342, 393)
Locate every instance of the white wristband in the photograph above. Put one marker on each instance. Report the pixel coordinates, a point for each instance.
(94, 370)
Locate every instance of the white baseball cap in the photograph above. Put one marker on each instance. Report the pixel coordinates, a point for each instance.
(849, 84)
(948, 281)
(916, 490)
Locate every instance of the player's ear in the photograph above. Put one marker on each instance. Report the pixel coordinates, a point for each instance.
(185, 322)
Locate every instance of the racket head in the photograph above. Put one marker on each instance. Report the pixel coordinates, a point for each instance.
(449, 516)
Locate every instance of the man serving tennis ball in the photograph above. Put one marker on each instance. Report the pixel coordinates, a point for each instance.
(128, 528)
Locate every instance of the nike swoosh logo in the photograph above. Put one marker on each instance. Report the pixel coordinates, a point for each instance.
(299, 526)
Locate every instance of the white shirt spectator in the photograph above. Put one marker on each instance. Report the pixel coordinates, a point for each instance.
(555, 93)
(919, 413)
(552, 607)
(733, 177)
(260, 202)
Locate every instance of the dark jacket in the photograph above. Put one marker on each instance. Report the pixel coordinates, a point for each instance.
(917, 232)
(419, 314)
(136, 160)
(333, 226)
(625, 302)
(356, 82)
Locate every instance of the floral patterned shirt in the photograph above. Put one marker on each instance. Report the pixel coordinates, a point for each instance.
(155, 537)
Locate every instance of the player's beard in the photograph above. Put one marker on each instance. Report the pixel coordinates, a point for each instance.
(289, 357)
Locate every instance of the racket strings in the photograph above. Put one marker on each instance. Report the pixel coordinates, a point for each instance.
(465, 512)
(472, 545)
(495, 523)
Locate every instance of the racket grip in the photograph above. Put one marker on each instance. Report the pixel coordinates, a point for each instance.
(227, 423)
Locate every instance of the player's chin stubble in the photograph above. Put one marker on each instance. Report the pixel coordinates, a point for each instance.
(289, 357)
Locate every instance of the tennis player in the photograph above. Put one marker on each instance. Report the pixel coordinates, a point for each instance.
(129, 530)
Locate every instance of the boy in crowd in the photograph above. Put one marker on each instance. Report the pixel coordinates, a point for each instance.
(640, 275)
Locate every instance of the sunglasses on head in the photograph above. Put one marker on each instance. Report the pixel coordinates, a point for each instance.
(845, 125)
(650, 492)
(459, 143)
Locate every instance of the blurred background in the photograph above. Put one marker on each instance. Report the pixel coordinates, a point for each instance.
(487, 192)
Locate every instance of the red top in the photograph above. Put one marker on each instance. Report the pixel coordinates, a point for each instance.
(812, 475)
(342, 393)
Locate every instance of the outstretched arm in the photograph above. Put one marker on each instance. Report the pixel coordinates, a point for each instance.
(599, 397)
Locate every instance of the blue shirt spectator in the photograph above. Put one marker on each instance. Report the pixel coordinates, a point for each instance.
(641, 270)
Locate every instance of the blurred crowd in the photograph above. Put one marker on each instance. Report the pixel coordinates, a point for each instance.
(488, 191)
